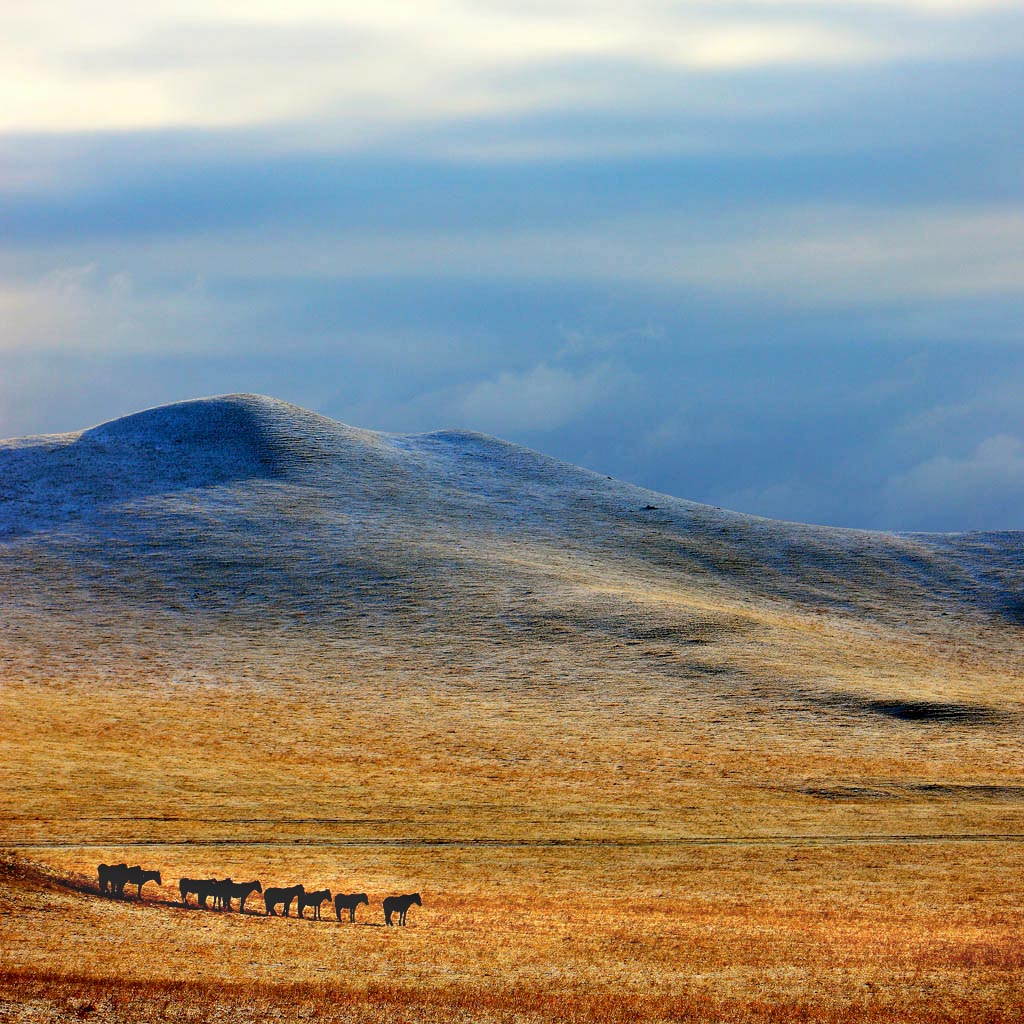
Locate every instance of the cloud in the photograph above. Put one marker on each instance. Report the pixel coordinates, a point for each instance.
(981, 490)
(542, 398)
(144, 66)
(824, 256)
(83, 308)
(792, 500)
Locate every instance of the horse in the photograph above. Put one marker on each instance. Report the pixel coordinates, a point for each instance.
(200, 887)
(400, 905)
(272, 897)
(314, 900)
(221, 893)
(137, 876)
(349, 903)
(112, 878)
(240, 891)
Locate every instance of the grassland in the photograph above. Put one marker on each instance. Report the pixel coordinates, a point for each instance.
(605, 853)
(641, 767)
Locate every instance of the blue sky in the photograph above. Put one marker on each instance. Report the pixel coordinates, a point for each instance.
(764, 255)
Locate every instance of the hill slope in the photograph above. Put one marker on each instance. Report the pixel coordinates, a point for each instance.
(453, 585)
(265, 472)
(244, 512)
(645, 759)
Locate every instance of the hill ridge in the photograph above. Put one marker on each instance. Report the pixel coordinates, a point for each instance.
(253, 496)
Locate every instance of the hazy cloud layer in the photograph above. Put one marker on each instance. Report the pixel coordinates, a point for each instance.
(764, 254)
(130, 66)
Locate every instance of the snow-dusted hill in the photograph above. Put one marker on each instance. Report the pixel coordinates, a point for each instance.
(244, 495)
(244, 516)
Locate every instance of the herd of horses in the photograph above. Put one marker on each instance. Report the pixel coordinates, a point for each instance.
(218, 894)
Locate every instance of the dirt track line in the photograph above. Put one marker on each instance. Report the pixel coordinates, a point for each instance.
(865, 839)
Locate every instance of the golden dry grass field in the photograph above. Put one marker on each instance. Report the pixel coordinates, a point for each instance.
(644, 760)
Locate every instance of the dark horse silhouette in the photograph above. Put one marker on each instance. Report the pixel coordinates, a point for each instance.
(349, 902)
(201, 888)
(220, 891)
(273, 897)
(314, 900)
(113, 878)
(400, 905)
(137, 876)
(240, 891)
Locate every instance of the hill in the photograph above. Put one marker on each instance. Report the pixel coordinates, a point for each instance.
(239, 637)
(243, 513)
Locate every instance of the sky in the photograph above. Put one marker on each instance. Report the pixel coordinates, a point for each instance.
(765, 255)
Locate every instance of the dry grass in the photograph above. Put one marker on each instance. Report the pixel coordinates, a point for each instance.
(614, 852)
(880, 933)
